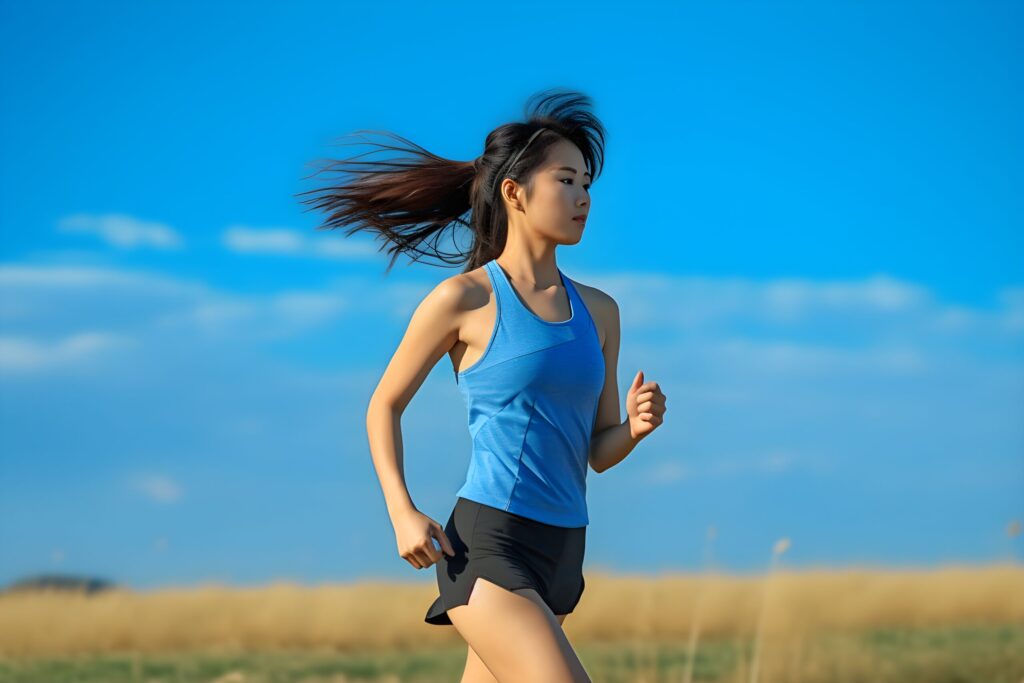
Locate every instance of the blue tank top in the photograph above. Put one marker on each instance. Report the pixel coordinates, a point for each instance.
(532, 402)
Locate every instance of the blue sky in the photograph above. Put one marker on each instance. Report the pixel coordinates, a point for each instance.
(810, 217)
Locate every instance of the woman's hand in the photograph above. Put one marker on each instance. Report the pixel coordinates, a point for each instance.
(645, 406)
(415, 534)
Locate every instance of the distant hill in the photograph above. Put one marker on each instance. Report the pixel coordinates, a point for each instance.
(63, 582)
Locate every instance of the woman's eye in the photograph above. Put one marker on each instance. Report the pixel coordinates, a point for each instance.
(585, 187)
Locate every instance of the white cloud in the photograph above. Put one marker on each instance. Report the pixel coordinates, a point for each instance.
(698, 301)
(666, 472)
(770, 463)
(776, 461)
(280, 314)
(794, 298)
(123, 231)
(157, 487)
(791, 357)
(208, 314)
(1012, 299)
(755, 328)
(956, 318)
(819, 386)
(20, 354)
(15, 276)
(248, 240)
(308, 307)
(284, 241)
(43, 302)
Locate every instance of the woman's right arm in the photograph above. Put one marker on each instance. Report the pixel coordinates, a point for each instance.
(432, 331)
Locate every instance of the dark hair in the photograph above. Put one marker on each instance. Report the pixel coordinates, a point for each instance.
(411, 201)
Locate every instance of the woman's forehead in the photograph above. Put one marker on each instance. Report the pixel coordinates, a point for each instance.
(566, 157)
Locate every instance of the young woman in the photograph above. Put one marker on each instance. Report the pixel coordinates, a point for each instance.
(534, 354)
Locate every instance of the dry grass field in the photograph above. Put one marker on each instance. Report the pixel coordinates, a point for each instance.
(954, 624)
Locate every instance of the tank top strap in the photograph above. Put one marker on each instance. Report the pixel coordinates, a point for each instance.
(513, 307)
(579, 306)
(574, 296)
(513, 311)
(499, 284)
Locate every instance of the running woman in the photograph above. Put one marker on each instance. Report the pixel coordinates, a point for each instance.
(534, 355)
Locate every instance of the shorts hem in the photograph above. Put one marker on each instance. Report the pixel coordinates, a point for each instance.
(437, 613)
(579, 596)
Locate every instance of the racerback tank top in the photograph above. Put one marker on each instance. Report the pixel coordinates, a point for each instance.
(532, 403)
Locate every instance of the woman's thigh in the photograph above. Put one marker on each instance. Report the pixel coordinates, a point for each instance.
(477, 672)
(516, 635)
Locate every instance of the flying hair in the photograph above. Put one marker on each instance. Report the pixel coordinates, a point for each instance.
(412, 201)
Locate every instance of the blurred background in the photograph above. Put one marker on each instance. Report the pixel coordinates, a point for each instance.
(810, 217)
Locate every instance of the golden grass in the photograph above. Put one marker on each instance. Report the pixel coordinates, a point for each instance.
(379, 615)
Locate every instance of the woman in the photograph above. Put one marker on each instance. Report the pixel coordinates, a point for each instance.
(534, 355)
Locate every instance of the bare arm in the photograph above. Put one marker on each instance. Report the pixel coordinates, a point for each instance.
(432, 331)
(612, 440)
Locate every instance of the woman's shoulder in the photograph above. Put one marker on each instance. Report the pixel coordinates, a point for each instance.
(595, 298)
(603, 309)
(463, 292)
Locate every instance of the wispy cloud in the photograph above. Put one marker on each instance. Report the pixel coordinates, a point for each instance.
(787, 299)
(23, 355)
(43, 303)
(793, 357)
(158, 488)
(773, 462)
(66, 277)
(123, 231)
(286, 242)
(774, 326)
(666, 472)
(1012, 299)
(889, 386)
(697, 302)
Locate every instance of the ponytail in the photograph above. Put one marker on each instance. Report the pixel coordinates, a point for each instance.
(411, 201)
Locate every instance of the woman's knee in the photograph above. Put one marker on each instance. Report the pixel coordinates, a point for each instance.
(516, 636)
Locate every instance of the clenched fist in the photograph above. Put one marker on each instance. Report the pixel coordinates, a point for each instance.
(645, 406)
(415, 533)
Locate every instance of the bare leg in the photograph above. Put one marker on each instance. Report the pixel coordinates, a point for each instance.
(477, 672)
(516, 636)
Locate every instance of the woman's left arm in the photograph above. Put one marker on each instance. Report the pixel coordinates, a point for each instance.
(614, 439)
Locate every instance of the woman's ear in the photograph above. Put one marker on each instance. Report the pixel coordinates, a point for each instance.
(511, 190)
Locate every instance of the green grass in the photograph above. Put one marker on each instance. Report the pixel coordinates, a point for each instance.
(983, 654)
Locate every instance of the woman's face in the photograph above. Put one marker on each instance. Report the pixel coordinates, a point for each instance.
(561, 191)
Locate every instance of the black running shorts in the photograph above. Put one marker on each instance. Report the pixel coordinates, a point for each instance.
(512, 551)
